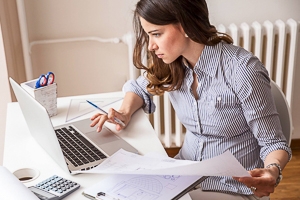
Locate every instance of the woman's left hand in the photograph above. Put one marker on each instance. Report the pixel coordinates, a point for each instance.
(262, 181)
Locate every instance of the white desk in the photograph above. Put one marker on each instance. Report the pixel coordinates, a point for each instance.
(21, 150)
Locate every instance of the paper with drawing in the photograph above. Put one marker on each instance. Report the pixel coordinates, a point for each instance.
(142, 187)
(123, 162)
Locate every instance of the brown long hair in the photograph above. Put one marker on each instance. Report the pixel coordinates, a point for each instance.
(193, 17)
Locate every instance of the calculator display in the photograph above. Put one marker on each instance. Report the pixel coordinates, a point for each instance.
(41, 193)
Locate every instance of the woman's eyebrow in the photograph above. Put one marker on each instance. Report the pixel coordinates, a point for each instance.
(152, 31)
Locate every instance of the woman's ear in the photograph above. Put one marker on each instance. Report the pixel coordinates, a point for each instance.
(182, 31)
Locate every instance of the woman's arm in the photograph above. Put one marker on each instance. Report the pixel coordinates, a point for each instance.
(280, 157)
(260, 112)
(131, 103)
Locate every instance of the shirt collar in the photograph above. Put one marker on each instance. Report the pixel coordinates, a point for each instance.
(209, 60)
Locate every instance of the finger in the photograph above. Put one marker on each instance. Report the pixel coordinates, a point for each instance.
(256, 172)
(112, 115)
(253, 173)
(119, 127)
(95, 120)
(248, 181)
(102, 120)
(95, 116)
(260, 190)
(237, 178)
(261, 193)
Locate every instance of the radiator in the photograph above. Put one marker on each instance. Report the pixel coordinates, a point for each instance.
(273, 43)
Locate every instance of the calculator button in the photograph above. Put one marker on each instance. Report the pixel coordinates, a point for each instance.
(58, 186)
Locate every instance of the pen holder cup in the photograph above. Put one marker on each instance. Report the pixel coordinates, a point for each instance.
(46, 96)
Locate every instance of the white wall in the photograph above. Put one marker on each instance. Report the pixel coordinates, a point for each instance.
(5, 95)
(81, 67)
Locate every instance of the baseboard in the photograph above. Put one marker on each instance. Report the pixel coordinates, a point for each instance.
(173, 151)
(295, 144)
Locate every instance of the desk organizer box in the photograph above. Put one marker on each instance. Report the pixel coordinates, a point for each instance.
(47, 95)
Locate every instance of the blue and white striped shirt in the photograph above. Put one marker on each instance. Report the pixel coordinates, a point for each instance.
(235, 111)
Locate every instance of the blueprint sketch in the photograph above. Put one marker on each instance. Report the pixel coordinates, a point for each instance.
(143, 187)
(156, 177)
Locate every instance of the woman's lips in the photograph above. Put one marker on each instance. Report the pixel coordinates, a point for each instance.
(159, 55)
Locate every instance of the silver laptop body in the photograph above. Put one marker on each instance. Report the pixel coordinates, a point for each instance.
(58, 141)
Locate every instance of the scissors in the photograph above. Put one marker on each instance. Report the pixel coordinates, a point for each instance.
(44, 80)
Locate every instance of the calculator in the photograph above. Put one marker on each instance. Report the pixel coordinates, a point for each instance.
(54, 188)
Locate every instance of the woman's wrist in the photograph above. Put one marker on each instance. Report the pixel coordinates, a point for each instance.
(276, 171)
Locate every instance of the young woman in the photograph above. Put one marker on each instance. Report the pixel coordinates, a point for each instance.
(220, 92)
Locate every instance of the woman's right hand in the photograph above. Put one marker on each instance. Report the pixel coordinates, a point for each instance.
(131, 103)
(99, 119)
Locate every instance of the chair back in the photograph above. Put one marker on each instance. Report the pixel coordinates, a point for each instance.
(283, 110)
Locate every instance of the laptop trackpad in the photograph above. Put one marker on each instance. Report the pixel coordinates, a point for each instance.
(105, 136)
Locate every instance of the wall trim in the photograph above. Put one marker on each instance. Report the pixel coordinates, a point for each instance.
(295, 144)
(12, 41)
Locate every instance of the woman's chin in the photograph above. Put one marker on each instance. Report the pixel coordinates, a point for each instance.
(166, 61)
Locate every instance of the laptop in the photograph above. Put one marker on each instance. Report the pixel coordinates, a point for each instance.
(75, 146)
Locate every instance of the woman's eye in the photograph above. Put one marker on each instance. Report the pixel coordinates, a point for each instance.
(156, 34)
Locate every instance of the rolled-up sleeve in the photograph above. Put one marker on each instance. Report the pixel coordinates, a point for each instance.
(138, 87)
(254, 91)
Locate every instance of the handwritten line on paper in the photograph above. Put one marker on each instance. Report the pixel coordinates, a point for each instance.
(124, 162)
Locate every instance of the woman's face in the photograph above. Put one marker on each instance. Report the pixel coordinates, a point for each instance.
(167, 41)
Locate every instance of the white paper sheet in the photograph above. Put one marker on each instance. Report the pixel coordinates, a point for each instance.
(141, 187)
(12, 189)
(124, 162)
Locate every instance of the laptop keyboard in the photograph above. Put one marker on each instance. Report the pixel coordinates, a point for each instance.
(77, 149)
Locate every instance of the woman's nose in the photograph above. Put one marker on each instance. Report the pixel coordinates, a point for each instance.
(152, 46)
